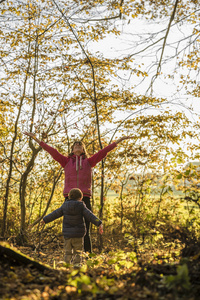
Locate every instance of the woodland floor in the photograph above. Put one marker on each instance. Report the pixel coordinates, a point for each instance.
(105, 276)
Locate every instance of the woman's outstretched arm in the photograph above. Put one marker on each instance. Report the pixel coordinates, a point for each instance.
(63, 160)
(97, 157)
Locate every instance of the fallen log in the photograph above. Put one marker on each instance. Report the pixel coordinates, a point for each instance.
(8, 253)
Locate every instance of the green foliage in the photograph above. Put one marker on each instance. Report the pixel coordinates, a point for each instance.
(121, 260)
(81, 282)
(179, 281)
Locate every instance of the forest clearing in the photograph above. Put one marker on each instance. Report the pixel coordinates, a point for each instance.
(162, 264)
(111, 275)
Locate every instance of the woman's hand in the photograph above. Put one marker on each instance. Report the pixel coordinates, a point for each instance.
(32, 135)
(29, 134)
(124, 138)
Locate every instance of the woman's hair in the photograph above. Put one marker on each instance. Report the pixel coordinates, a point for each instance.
(75, 194)
(84, 149)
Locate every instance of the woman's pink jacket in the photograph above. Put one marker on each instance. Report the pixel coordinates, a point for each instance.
(78, 170)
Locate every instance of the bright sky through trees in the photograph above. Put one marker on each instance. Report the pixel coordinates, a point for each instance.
(129, 42)
(138, 39)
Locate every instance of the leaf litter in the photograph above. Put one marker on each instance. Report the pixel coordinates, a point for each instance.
(113, 274)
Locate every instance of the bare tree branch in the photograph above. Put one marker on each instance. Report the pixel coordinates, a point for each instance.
(119, 16)
(92, 67)
(163, 47)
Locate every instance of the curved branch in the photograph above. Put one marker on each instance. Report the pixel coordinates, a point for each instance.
(164, 44)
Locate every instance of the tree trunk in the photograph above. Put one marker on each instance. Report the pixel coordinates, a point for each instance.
(4, 227)
(22, 193)
(23, 181)
(5, 209)
(51, 196)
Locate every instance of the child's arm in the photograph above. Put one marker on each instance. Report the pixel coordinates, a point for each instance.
(53, 215)
(88, 215)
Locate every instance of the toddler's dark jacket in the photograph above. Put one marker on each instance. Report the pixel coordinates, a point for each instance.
(73, 212)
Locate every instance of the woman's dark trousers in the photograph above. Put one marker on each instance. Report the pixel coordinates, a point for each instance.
(87, 239)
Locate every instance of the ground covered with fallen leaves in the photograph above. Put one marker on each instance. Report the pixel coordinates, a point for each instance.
(118, 272)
